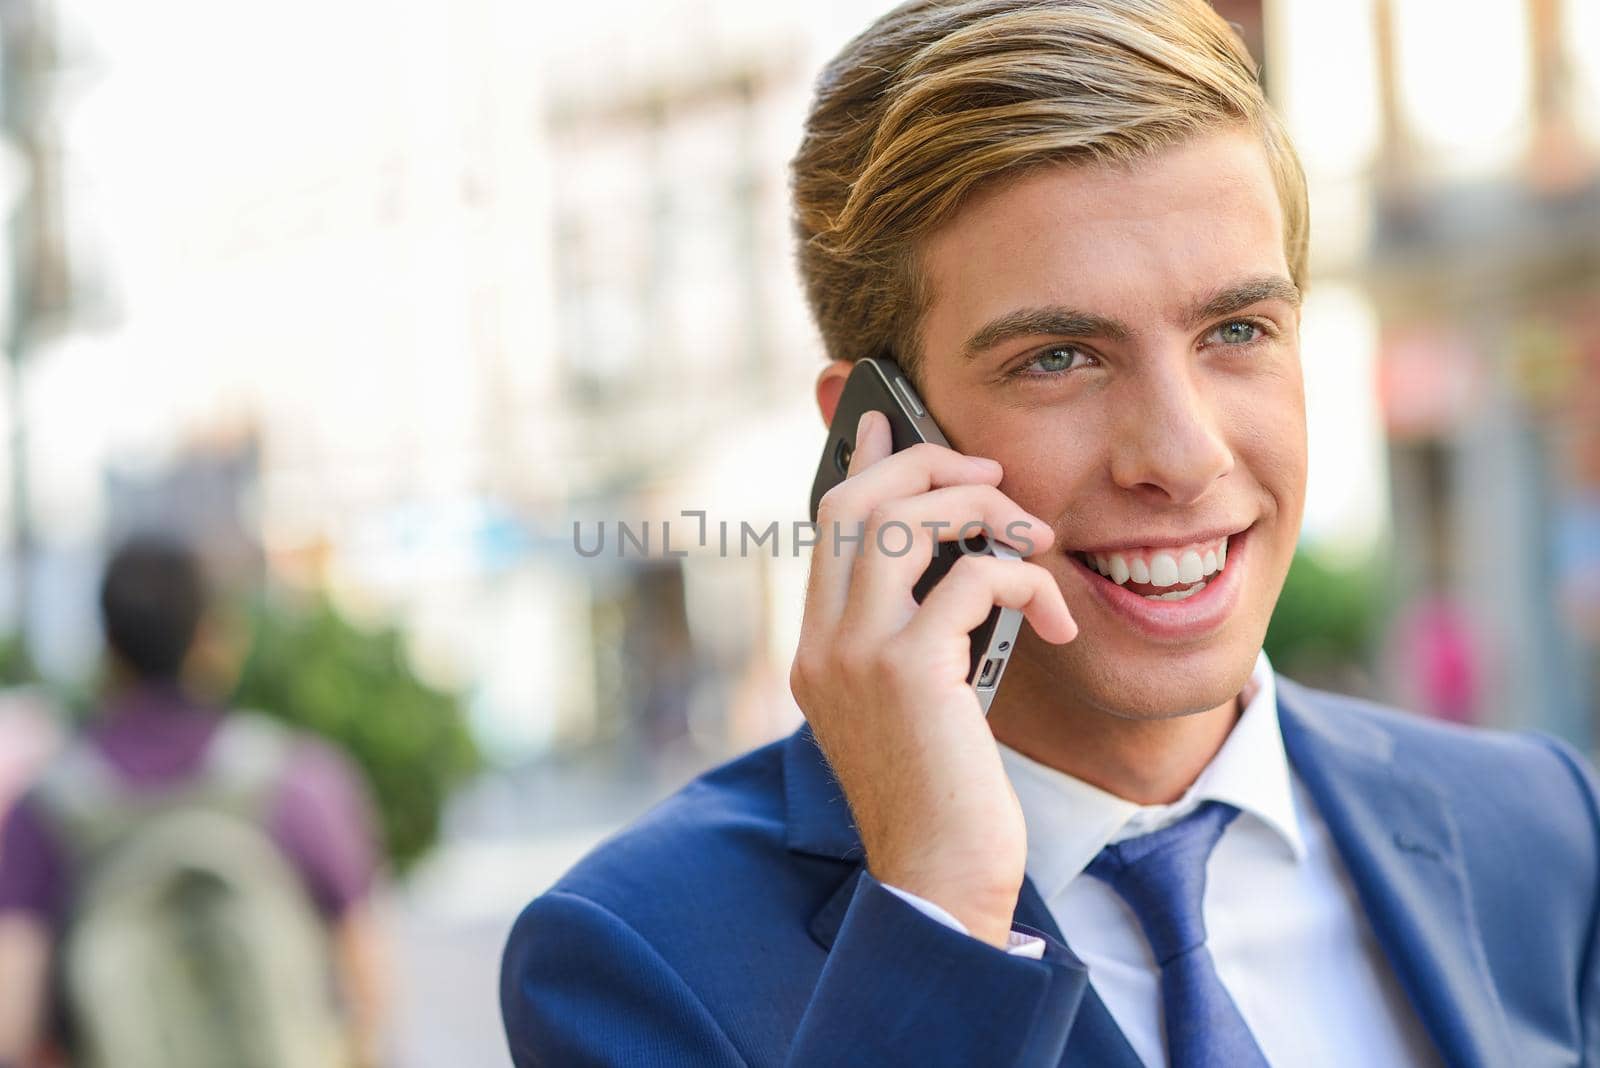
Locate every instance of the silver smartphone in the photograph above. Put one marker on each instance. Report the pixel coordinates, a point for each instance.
(878, 384)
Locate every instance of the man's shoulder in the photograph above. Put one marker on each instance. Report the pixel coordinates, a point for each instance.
(718, 833)
(1452, 748)
(1520, 783)
(698, 908)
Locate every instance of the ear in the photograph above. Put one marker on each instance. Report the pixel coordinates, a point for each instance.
(830, 384)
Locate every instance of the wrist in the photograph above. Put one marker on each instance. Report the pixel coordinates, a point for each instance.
(985, 913)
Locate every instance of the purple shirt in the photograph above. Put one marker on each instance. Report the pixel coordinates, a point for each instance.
(320, 814)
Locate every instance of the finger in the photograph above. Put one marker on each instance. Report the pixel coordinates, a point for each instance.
(874, 441)
(828, 580)
(975, 585)
(898, 544)
(876, 476)
(880, 476)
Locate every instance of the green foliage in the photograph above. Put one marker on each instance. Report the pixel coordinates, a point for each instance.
(312, 668)
(16, 666)
(1326, 619)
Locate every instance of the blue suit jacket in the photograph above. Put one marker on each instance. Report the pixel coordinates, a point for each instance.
(735, 924)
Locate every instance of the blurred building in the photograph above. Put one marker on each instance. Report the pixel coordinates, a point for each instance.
(465, 287)
(1486, 276)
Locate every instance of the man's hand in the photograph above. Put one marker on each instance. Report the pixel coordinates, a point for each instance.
(883, 680)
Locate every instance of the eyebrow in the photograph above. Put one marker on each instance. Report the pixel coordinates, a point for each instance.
(1029, 322)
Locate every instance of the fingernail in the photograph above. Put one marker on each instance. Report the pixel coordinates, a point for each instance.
(861, 424)
(986, 463)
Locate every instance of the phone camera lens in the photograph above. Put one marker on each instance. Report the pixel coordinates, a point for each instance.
(841, 455)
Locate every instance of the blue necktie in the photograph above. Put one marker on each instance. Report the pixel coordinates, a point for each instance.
(1162, 877)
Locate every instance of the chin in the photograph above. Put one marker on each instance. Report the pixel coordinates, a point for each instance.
(1157, 684)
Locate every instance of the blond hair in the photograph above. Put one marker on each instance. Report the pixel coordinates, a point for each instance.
(939, 97)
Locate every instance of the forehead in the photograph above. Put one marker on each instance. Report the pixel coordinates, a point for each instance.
(1132, 242)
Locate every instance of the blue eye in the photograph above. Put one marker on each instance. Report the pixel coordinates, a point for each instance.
(1058, 359)
(1238, 332)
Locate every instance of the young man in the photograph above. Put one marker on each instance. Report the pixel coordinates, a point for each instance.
(1081, 230)
(123, 869)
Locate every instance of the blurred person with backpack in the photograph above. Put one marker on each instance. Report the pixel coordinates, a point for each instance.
(184, 887)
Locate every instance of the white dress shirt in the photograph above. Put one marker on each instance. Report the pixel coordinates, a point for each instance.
(1288, 934)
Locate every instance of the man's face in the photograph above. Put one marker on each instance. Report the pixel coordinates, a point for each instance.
(1126, 344)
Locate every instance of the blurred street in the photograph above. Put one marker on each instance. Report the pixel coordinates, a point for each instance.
(450, 928)
(453, 913)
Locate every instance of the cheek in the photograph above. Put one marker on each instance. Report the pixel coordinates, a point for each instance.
(1266, 425)
(1048, 457)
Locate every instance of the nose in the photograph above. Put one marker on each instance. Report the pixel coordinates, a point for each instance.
(1169, 444)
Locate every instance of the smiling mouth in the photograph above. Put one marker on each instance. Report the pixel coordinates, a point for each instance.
(1165, 574)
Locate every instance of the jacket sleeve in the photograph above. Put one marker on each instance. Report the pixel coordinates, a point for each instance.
(580, 987)
(901, 988)
(1589, 978)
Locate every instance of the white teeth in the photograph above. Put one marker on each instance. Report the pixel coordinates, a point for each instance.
(1119, 569)
(1189, 568)
(1176, 595)
(1163, 570)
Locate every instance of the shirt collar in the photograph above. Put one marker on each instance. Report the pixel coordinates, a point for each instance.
(1070, 821)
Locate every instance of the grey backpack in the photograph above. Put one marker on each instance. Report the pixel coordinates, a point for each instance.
(192, 942)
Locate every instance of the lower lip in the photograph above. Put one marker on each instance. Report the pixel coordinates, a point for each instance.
(1173, 622)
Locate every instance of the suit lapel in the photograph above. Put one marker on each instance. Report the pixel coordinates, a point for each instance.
(1095, 1038)
(819, 824)
(1402, 849)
